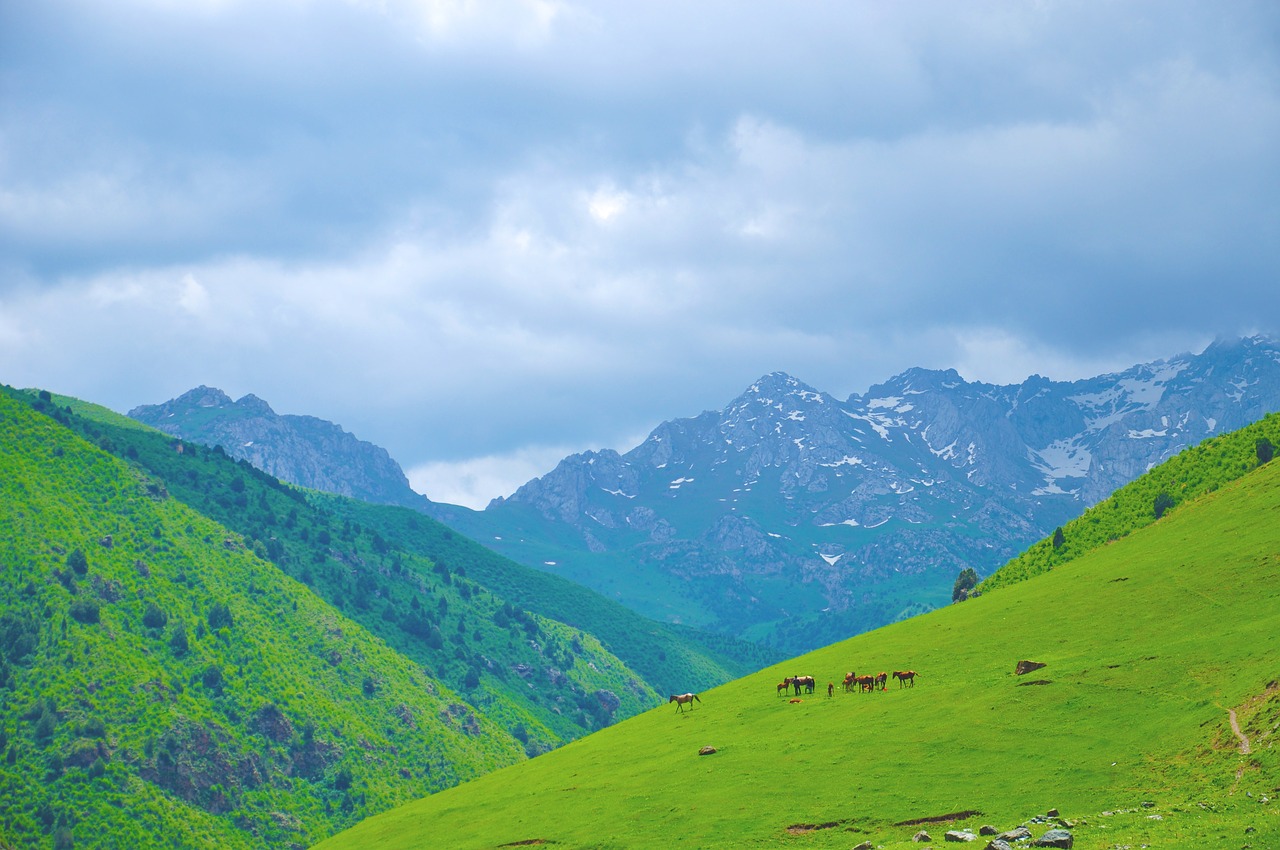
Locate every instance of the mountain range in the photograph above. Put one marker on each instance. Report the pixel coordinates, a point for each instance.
(794, 518)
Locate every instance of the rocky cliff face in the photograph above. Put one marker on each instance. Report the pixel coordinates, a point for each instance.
(302, 450)
(874, 503)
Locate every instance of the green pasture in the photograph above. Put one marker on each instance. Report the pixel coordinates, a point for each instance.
(1149, 642)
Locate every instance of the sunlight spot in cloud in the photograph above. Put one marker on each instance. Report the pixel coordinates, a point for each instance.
(473, 482)
(606, 204)
(193, 298)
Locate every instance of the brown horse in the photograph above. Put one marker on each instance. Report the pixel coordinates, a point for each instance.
(905, 676)
(882, 680)
(681, 699)
(808, 682)
(849, 679)
(784, 686)
(866, 683)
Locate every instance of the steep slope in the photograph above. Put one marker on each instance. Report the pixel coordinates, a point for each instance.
(543, 681)
(160, 685)
(1157, 648)
(795, 518)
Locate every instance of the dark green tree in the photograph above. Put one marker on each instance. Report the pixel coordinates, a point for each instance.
(78, 562)
(1266, 451)
(965, 582)
(1058, 538)
(1162, 503)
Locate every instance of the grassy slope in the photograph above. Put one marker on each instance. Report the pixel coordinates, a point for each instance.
(1200, 469)
(1149, 643)
(543, 681)
(671, 658)
(113, 737)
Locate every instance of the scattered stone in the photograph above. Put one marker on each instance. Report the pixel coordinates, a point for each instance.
(706, 751)
(988, 830)
(1019, 834)
(1055, 838)
(866, 845)
(1053, 813)
(106, 542)
(1025, 667)
(1147, 804)
(921, 837)
(998, 844)
(958, 835)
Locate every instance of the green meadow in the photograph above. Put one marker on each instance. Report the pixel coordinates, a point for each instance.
(1151, 644)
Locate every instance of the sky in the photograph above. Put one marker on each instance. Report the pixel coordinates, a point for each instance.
(485, 235)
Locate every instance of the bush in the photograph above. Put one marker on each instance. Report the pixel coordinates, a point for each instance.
(1162, 503)
(1059, 538)
(1266, 451)
(965, 582)
(78, 562)
(154, 617)
(85, 611)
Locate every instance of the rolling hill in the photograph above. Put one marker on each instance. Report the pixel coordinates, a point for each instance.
(1153, 721)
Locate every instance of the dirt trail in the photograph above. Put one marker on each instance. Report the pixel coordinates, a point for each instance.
(1235, 727)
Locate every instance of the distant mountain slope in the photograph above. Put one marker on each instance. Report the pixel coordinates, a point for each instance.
(161, 685)
(795, 518)
(302, 450)
(1153, 722)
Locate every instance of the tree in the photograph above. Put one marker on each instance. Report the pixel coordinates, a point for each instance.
(1266, 451)
(78, 562)
(1162, 503)
(1058, 538)
(965, 582)
(154, 617)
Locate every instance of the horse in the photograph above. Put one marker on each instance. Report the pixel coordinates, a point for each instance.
(681, 699)
(784, 686)
(808, 682)
(866, 683)
(831, 689)
(904, 676)
(881, 680)
(849, 679)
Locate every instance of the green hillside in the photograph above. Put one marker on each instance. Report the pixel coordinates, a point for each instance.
(163, 686)
(1191, 473)
(545, 682)
(1152, 646)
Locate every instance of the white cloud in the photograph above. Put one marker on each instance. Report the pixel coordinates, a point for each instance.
(474, 482)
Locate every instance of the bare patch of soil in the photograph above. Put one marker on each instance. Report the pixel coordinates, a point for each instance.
(806, 828)
(970, 813)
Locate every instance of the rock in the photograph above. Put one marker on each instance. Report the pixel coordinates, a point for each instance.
(921, 837)
(866, 845)
(988, 829)
(1053, 813)
(957, 835)
(1025, 667)
(998, 844)
(706, 751)
(1055, 838)
(1019, 834)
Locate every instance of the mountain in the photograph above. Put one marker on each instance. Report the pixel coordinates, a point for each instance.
(302, 450)
(194, 654)
(796, 518)
(1151, 721)
(793, 518)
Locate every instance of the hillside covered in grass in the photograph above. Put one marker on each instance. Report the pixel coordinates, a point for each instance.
(1153, 721)
(162, 685)
(1193, 472)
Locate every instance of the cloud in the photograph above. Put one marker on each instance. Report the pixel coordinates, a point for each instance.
(459, 229)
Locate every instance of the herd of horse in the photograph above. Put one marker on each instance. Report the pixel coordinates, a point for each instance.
(865, 683)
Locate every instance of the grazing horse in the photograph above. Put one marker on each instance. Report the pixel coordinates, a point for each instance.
(865, 683)
(882, 680)
(784, 686)
(681, 699)
(849, 679)
(831, 689)
(904, 676)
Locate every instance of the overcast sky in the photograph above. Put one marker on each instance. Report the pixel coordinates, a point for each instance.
(487, 234)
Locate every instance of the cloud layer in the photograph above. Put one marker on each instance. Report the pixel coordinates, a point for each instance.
(478, 234)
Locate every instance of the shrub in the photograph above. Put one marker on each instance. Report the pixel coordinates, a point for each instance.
(85, 611)
(1058, 538)
(1266, 451)
(154, 617)
(1162, 503)
(965, 582)
(78, 562)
